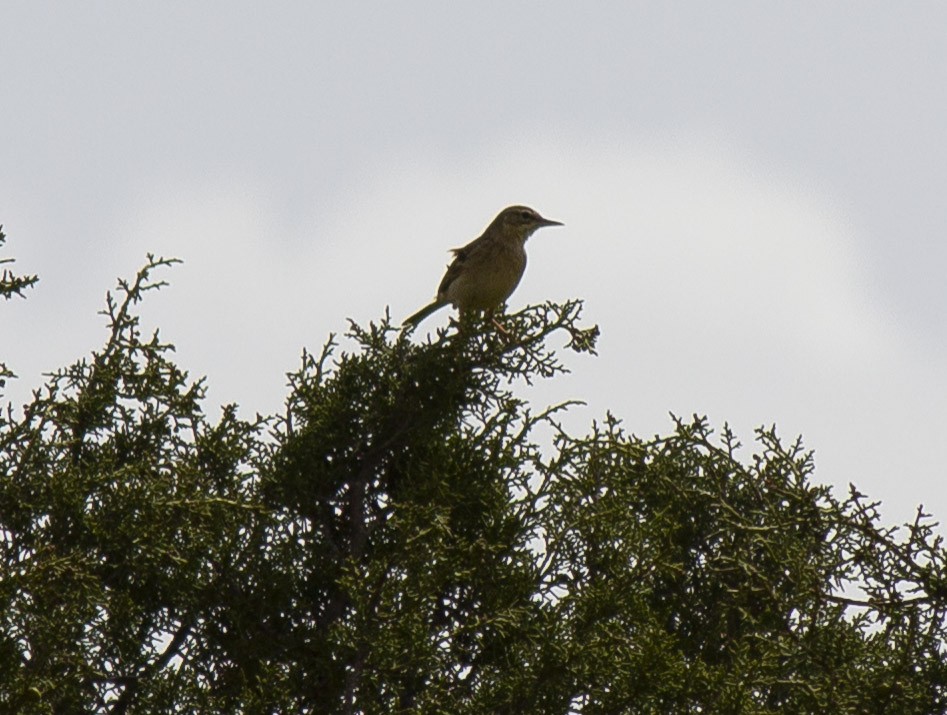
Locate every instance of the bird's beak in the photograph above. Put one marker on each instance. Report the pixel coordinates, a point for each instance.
(550, 222)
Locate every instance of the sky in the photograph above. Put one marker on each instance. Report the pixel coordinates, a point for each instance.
(753, 198)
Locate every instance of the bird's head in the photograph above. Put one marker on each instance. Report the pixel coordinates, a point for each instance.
(520, 222)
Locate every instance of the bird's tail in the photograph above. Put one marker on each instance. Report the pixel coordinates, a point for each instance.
(423, 313)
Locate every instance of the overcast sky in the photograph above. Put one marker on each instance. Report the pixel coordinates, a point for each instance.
(753, 193)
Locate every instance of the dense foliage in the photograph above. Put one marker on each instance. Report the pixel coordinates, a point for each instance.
(397, 542)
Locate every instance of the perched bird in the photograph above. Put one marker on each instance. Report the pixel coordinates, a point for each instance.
(485, 272)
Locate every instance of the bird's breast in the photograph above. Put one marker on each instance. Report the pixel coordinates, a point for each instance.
(488, 280)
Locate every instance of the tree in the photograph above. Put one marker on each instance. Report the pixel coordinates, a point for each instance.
(397, 541)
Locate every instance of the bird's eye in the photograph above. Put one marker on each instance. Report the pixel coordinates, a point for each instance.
(526, 215)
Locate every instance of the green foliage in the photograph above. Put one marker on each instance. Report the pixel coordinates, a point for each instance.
(397, 542)
(120, 510)
(11, 285)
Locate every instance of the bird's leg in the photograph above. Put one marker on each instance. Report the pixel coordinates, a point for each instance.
(498, 325)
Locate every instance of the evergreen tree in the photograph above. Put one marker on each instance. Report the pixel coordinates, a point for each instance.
(398, 542)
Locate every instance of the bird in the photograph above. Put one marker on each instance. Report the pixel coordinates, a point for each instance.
(486, 271)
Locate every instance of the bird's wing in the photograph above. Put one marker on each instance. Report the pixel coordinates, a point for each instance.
(456, 266)
(453, 270)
